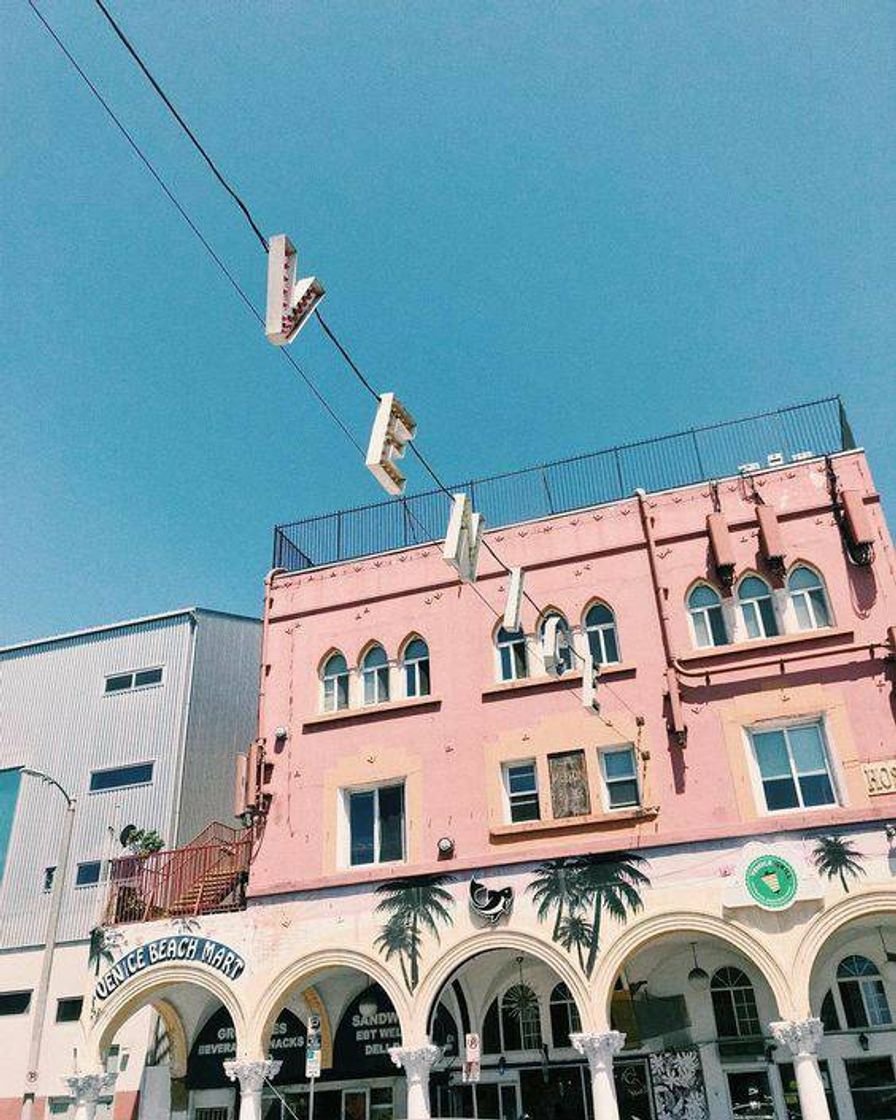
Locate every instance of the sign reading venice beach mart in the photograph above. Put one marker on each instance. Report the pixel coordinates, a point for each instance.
(171, 950)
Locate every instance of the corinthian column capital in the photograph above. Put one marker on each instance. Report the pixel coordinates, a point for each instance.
(252, 1074)
(416, 1061)
(800, 1036)
(87, 1088)
(598, 1048)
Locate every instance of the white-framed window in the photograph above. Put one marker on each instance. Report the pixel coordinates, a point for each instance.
(600, 629)
(521, 791)
(88, 874)
(705, 609)
(793, 766)
(862, 993)
(565, 1018)
(375, 818)
(734, 1004)
(375, 676)
(619, 770)
(809, 598)
(513, 654)
(517, 1017)
(136, 678)
(334, 678)
(563, 636)
(757, 608)
(415, 665)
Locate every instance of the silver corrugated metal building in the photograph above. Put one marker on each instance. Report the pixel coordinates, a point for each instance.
(60, 714)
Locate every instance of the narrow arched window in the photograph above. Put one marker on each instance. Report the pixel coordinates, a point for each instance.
(375, 674)
(756, 607)
(600, 626)
(416, 668)
(564, 1015)
(520, 1019)
(810, 601)
(564, 639)
(862, 993)
(705, 608)
(734, 1004)
(334, 677)
(512, 651)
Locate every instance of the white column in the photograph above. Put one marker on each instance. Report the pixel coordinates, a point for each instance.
(803, 1037)
(416, 1063)
(86, 1089)
(599, 1050)
(251, 1075)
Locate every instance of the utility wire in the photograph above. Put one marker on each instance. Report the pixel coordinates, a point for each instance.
(183, 124)
(186, 217)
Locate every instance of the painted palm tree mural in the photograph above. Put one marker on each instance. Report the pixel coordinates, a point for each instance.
(579, 890)
(836, 858)
(415, 905)
(100, 950)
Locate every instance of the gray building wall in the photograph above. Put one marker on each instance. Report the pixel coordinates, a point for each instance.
(55, 716)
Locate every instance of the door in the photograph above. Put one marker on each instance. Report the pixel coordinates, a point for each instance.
(633, 1093)
(354, 1104)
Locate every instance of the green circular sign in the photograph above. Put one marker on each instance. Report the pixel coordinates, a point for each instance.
(771, 882)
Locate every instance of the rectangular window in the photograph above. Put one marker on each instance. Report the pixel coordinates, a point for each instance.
(873, 1087)
(68, 1010)
(139, 678)
(140, 774)
(521, 786)
(620, 774)
(88, 874)
(376, 825)
(14, 1003)
(793, 767)
(49, 876)
(569, 784)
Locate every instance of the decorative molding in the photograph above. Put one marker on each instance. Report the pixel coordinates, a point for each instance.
(800, 1036)
(252, 1074)
(598, 1048)
(416, 1061)
(87, 1088)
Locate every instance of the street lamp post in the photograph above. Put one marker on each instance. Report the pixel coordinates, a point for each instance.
(39, 1012)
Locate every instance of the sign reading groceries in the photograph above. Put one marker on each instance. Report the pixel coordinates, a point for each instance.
(171, 950)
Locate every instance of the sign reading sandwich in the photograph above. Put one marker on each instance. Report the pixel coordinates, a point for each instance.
(174, 950)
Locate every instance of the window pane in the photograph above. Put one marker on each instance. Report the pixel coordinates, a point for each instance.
(391, 823)
(423, 671)
(598, 615)
(121, 776)
(410, 676)
(415, 650)
(853, 1005)
(719, 636)
(69, 1010)
(819, 602)
(148, 676)
(506, 664)
(703, 596)
(780, 793)
(14, 1003)
(623, 794)
(752, 588)
(701, 630)
(751, 620)
(807, 748)
(769, 622)
(117, 684)
(803, 618)
(817, 790)
(521, 668)
(619, 764)
(569, 784)
(342, 692)
(361, 824)
(771, 753)
(87, 874)
(375, 657)
(370, 688)
(524, 807)
(521, 779)
(726, 1022)
(610, 646)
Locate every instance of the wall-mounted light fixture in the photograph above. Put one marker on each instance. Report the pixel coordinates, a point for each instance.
(281, 733)
(445, 844)
(864, 1041)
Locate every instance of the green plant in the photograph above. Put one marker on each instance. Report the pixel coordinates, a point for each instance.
(143, 842)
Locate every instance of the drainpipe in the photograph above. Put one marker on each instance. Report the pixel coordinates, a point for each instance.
(675, 723)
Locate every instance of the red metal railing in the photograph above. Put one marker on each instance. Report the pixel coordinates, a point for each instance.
(206, 876)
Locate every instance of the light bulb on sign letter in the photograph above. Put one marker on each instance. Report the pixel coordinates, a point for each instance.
(290, 303)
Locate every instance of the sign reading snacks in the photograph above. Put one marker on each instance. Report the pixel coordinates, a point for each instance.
(771, 882)
(173, 949)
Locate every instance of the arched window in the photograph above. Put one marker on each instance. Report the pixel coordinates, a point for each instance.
(565, 659)
(564, 1015)
(734, 1004)
(334, 677)
(810, 602)
(756, 607)
(514, 658)
(520, 1019)
(375, 674)
(830, 1020)
(862, 993)
(600, 626)
(705, 608)
(416, 668)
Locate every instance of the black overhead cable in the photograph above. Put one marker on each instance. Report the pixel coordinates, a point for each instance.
(183, 213)
(183, 124)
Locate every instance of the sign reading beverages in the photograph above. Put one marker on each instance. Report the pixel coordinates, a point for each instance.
(171, 950)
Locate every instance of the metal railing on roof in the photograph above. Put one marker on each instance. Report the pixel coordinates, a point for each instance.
(714, 451)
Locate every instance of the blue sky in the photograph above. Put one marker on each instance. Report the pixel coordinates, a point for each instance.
(548, 228)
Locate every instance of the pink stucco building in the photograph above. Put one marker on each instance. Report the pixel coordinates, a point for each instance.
(498, 897)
